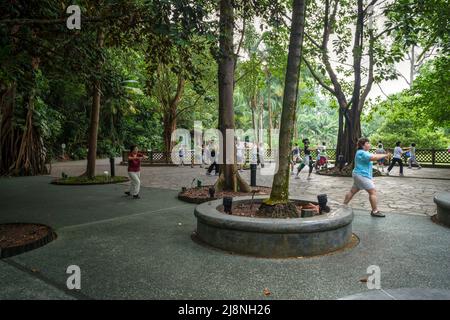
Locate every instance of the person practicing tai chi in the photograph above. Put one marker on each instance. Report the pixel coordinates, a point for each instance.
(380, 162)
(295, 157)
(362, 175)
(412, 157)
(134, 171)
(307, 160)
(396, 158)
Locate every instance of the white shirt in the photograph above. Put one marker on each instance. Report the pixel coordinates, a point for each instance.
(398, 152)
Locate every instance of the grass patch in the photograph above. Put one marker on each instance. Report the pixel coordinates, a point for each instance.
(100, 179)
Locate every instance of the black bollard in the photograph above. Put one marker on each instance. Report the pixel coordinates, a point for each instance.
(323, 199)
(341, 162)
(112, 165)
(211, 191)
(253, 175)
(227, 203)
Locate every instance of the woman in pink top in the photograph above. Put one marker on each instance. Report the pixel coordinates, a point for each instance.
(134, 171)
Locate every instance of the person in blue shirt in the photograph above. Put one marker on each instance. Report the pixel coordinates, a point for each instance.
(362, 175)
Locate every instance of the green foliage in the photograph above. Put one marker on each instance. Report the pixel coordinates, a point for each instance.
(431, 91)
(420, 114)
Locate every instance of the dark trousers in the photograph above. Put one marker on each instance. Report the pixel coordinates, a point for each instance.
(394, 160)
(214, 166)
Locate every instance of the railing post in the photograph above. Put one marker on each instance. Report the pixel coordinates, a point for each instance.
(150, 156)
(433, 157)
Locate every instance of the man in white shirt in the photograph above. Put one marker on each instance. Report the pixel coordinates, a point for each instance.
(397, 158)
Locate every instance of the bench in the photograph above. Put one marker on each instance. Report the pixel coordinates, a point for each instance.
(442, 201)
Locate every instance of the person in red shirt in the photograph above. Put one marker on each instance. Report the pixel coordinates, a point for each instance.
(134, 171)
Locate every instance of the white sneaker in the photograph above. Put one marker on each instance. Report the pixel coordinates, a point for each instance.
(309, 178)
(297, 177)
(401, 175)
(387, 173)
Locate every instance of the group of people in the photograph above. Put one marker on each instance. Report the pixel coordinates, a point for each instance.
(207, 154)
(362, 172)
(408, 154)
(307, 160)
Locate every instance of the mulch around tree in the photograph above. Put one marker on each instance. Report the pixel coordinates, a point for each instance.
(346, 172)
(248, 210)
(201, 194)
(83, 180)
(16, 238)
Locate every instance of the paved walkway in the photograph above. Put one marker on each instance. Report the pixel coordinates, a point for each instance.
(141, 249)
(412, 194)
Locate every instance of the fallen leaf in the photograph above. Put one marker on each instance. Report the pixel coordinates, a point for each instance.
(266, 292)
(363, 280)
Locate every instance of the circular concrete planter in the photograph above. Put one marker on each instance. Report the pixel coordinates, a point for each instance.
(275, 238)
(442, 201)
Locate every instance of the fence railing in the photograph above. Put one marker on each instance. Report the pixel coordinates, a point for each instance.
(430, 157)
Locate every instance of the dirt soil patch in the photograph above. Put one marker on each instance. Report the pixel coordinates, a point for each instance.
(247, 210)
(16, 238)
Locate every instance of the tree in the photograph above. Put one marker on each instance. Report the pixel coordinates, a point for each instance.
(333, 20)
(278, 204)
(229, 178)
(95, 113)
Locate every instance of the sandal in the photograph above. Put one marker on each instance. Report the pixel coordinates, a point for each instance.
(377, 214)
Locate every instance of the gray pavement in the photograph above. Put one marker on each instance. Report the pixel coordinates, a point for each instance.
(141, 249)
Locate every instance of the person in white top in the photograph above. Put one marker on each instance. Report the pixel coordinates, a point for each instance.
(240, 155)
(181, 154)
(397, 158)
(412, 157)
(380, 162)
(261, 154)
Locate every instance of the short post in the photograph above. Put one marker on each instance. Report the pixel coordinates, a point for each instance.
(253, 174)
(433, 156)
(211, 191)
(150, 155)
(112, 166)
(341, 162)
(227, 204)
(322, 199)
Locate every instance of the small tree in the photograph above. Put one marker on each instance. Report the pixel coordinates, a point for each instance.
(278, 204)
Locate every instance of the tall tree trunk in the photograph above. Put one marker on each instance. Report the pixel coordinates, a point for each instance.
(412, 66)
(170, 124)
(229, 178)
(254, 123)
(354, 127)
(280, 185)
(261, 122)
(269, 111)
(95, 115)
(30, 155)
(9, 134)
